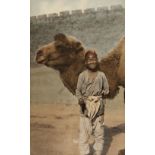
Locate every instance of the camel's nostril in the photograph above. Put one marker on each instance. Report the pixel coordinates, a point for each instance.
(39, 52)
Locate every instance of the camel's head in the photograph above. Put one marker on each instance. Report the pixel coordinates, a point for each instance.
(63, 51)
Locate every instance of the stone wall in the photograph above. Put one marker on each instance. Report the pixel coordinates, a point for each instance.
(98, 28)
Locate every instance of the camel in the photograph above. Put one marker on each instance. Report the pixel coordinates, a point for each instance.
(66, 55)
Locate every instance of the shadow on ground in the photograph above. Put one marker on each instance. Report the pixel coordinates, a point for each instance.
(110, 132)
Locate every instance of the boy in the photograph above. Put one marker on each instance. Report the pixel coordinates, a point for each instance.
(91, 87)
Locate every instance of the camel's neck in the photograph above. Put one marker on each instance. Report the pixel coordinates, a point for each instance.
(70, 75)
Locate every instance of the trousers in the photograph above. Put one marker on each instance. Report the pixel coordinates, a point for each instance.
(88, 128)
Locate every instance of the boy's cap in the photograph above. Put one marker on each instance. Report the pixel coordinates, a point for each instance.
(90, 54)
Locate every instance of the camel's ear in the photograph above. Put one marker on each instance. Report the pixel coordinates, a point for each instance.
(78, 46)
(60, 37)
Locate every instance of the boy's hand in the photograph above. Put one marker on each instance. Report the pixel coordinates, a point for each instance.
(81, 101)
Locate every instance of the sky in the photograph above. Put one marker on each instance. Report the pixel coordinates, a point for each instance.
(38, 7)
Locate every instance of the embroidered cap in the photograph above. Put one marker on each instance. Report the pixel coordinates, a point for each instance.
(90, 54)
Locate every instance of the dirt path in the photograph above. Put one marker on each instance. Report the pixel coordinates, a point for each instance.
(55, 129)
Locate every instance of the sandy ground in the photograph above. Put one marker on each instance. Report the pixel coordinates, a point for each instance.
(55, 129)
(55, 122)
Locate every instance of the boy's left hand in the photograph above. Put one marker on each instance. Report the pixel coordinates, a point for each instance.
(81, 101)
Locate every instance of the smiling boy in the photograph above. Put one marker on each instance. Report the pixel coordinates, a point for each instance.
(91, 87)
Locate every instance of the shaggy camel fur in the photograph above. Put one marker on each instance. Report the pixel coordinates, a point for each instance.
(66, 54)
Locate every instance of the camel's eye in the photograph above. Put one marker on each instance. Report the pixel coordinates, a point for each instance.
(63, 47)
(78, 44)
(60, 46)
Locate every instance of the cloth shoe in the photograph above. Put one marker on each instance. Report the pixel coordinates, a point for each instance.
(98, 153)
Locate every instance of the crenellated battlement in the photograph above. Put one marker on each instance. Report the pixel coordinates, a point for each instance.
(64, 13)
(105, 11)
(89, 11)
(76, 12)
(99, 28)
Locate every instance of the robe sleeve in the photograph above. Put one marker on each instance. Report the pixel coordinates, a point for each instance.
(79, 87)
(105, 85)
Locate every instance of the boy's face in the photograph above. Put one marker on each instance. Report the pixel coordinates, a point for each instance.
(91, 63)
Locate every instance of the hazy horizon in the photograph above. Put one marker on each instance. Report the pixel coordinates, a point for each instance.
(38, 7)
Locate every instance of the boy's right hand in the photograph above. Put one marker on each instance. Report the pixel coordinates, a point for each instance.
(81, 101)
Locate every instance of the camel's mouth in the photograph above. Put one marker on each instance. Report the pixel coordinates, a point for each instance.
(50, 61)
(41, 61)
